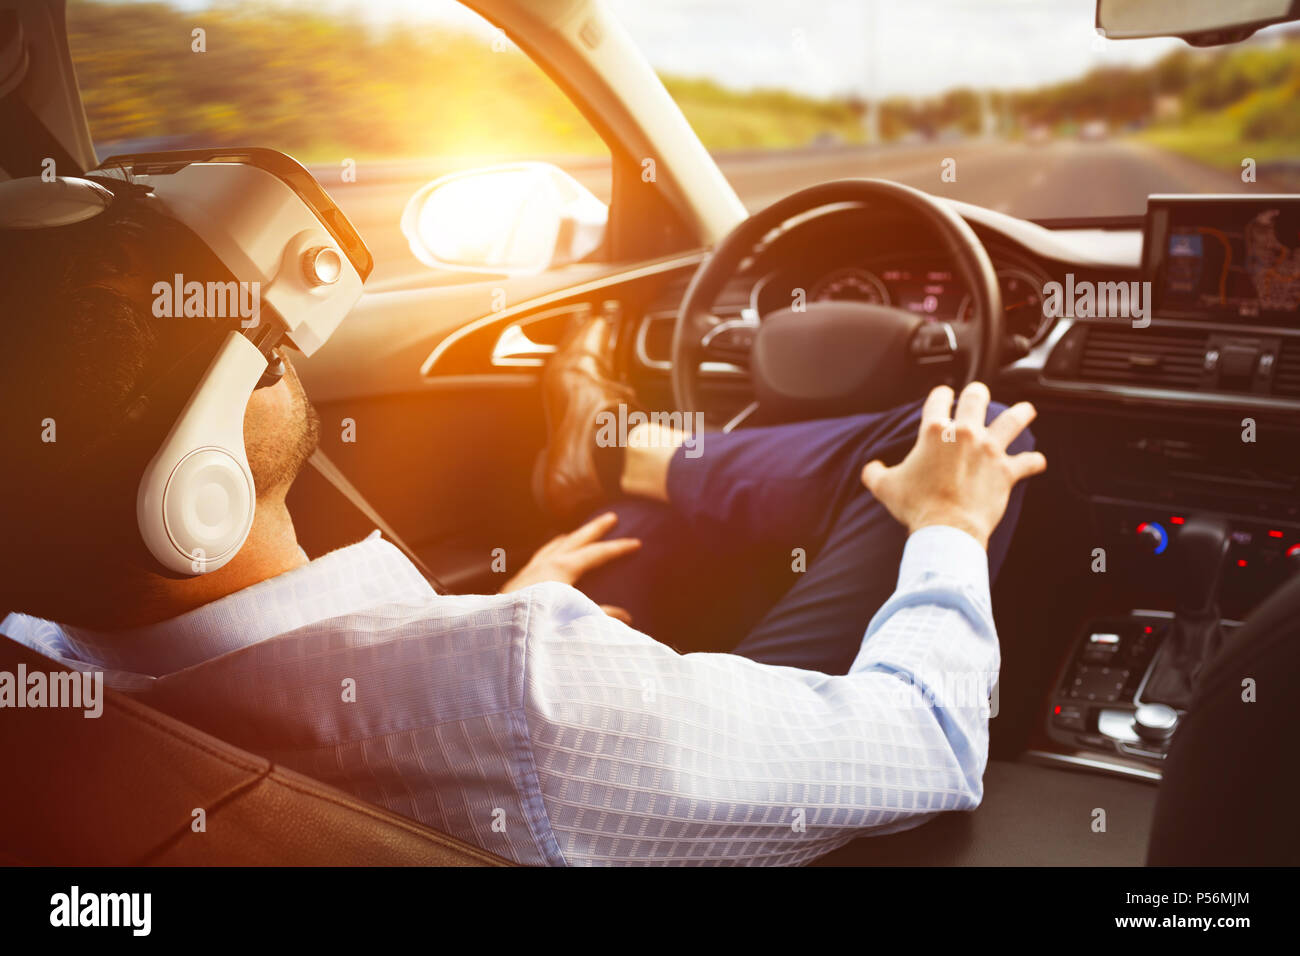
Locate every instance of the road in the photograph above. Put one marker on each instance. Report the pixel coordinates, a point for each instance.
(1066, 179)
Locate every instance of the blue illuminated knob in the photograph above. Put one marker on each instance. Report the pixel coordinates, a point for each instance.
(1152, 537)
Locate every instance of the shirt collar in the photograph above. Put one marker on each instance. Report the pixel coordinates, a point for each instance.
(342, 582)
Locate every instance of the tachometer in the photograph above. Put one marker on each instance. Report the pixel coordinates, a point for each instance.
(851, 284)
(1022, 303)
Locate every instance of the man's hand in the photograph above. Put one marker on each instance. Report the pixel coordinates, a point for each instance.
(567, 557)
(958, 473)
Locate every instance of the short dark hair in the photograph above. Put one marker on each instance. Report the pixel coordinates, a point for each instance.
(78, 341)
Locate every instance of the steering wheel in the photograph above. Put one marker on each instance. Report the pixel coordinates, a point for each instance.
(820, 359)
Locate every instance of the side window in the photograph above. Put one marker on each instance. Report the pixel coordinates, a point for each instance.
(375, 108)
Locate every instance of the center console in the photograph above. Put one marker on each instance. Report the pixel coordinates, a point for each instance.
(1184, 447)
(1130, 678)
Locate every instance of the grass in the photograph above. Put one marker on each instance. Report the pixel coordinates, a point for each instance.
(1225, 137)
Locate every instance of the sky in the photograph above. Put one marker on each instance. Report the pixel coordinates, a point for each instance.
(825, 47)
(834, 47)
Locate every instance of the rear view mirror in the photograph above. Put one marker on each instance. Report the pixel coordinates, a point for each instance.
(1199, 22)
(515, 219)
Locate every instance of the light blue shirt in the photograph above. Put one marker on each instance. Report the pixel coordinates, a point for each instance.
(537, 727)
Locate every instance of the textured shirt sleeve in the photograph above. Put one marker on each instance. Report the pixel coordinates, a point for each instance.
(645, 755)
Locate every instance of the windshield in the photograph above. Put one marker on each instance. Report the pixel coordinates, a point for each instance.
(1017, 105)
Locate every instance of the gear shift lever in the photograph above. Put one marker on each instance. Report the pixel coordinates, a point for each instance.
(1195, 635)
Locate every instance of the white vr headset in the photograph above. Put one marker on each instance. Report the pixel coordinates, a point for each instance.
(269, 222)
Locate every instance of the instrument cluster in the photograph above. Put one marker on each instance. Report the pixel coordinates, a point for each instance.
(928, 288)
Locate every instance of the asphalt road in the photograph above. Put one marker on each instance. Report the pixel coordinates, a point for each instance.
(1067, 179)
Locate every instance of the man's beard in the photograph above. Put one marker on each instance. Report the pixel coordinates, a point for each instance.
(275, 467)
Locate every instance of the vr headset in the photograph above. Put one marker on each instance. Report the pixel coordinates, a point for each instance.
(275, 230)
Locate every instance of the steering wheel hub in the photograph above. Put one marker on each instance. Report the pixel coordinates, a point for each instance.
(831, 358)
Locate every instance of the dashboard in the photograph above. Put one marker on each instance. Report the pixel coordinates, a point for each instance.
(924, 285)
(1220, 329)
(1217, 279)
(1205, 310)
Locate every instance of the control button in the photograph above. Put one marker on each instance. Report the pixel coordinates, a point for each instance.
(1117, 725)
(1266, 365)
(1101, 648)
(1239, 360)
(1152, 537)
(934, 339)
(1155, 722)
(1098, 683)
(736, 340)
(1068, 717)
(1147, 636)
(1211, 360)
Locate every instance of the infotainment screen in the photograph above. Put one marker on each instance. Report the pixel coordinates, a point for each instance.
(1224, 257)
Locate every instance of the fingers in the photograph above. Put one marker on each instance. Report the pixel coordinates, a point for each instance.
(937, 407)
(873, 472)
(593, 530)
(1008, 426)
(617, 613)
(1027, 463)
(972, 407)
(592, 556)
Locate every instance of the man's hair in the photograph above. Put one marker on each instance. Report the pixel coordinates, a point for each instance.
(79, 338)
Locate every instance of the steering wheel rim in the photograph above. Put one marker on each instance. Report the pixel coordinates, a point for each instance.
(694, 316)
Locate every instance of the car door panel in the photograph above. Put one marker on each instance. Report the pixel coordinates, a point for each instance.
(439, 434)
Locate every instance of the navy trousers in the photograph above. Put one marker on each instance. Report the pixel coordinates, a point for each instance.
(770, 546)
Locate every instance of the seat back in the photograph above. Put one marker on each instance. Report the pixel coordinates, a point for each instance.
(1228, 793)
(134, 786)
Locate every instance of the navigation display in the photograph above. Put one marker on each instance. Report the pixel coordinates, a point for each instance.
(1225, 257)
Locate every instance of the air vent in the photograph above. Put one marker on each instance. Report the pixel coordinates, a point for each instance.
(1163, 359)
(1286, 379)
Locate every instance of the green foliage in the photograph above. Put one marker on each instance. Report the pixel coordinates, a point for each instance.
(1273, 114)
(318, 86)
(313, 85)
(1238, 103)
(1258, 82)
(725, 119)
(1234, 74)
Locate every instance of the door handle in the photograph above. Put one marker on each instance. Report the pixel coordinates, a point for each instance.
(514, 348)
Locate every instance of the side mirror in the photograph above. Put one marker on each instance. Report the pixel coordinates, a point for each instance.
(1199, 22)
(514, 219)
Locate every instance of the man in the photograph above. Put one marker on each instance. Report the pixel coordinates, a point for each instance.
(532, 722)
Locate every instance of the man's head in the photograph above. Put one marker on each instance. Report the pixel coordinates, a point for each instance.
(80, 341)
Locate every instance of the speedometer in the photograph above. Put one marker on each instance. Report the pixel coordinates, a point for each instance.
(851, 285)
